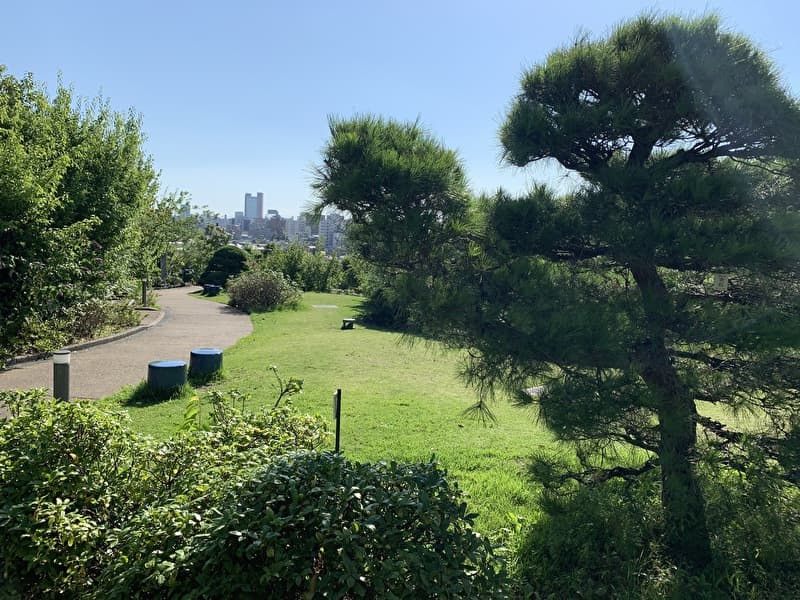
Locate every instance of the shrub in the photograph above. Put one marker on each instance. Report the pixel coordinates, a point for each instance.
(313, 521)
(73, 477)
(225, 263)
(94, 316)
(262, 290)
(320, 273)
(69, 474)
(313, 272)
(606, 542)
(245, 508)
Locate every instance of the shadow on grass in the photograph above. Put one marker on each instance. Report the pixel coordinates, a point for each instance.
(142, 395)
(368, 318)
(204, 379)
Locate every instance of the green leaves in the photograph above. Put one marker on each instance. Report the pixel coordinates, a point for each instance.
(243, 508)
(73, 177)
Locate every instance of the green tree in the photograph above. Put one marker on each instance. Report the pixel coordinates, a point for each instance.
(73, 176)
(163, 228)
(668, 278)
(225, 263)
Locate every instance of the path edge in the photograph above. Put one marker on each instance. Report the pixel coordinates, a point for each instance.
(17, 360)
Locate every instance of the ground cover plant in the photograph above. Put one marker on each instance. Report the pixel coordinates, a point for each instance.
(243, 507)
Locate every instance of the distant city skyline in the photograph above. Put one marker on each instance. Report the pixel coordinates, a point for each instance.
(224, 115)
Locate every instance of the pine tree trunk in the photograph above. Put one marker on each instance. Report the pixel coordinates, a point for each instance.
(685, 527)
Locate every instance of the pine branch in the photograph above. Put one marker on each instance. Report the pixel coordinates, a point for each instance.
(596, 476)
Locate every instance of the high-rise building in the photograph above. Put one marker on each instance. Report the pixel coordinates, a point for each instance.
(254, 206)
(332, 232)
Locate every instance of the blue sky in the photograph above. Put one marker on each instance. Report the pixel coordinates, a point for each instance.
(235, 95)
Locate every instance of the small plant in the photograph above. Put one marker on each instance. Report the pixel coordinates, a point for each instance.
(288, 388)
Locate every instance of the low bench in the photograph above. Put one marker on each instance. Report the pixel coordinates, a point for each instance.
(205, 361)
(348, 323)
(211, 289)
(166, 374)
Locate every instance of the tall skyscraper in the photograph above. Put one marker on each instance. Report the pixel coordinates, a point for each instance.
(254, 206)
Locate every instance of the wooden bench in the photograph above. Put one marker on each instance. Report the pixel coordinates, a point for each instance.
(348, 323)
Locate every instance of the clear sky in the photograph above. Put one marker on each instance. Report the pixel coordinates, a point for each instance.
(235, 95)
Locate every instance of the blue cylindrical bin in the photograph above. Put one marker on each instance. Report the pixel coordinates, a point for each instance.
(166, 374)
(205, 361)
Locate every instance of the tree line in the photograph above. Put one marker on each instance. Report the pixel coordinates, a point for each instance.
(81, 221)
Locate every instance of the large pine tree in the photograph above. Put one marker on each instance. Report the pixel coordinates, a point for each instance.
(667, 279)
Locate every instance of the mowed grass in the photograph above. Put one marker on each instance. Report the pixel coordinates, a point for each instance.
(400, 401)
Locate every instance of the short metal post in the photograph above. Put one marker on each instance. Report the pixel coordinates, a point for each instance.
(337, 414)
(61, 375)
(144, 293)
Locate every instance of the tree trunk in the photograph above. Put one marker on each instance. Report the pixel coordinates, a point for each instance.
(685, 527)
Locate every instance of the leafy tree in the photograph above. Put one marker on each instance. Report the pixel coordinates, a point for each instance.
(667, 279)
(226, 262)
(72, 179)
(313, 272)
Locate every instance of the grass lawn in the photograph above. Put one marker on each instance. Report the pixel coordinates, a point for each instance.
(399, 401)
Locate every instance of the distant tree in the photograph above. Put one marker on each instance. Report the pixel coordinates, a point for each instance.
(162, 229)
(668, 278)
(226, 262)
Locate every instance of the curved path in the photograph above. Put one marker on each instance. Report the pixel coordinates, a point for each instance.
(101, 370)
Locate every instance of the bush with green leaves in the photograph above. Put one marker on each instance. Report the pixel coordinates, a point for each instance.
(73, 179)
(243, 507)
(314, 522)
(73, 475)
(225, 263)
(70, 473)
(606, 541)
(263, 290)
(312, 271)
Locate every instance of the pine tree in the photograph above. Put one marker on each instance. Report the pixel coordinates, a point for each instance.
(666, 280)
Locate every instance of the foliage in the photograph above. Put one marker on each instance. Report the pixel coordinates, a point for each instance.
(161, 230)
(307, 522)
(313, 272)
(69, 474)
(261, 290)
(225, 263)
(73, 477)
(73, 177)
(242, 507)
(352, 273)
(606, 541)
(196, 252)
(386, 302)
(668, 277)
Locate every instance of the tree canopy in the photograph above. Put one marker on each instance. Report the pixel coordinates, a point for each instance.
(73, 176)
(666, 280)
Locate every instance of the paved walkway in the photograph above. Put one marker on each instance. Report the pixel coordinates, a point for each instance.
(101, 370)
